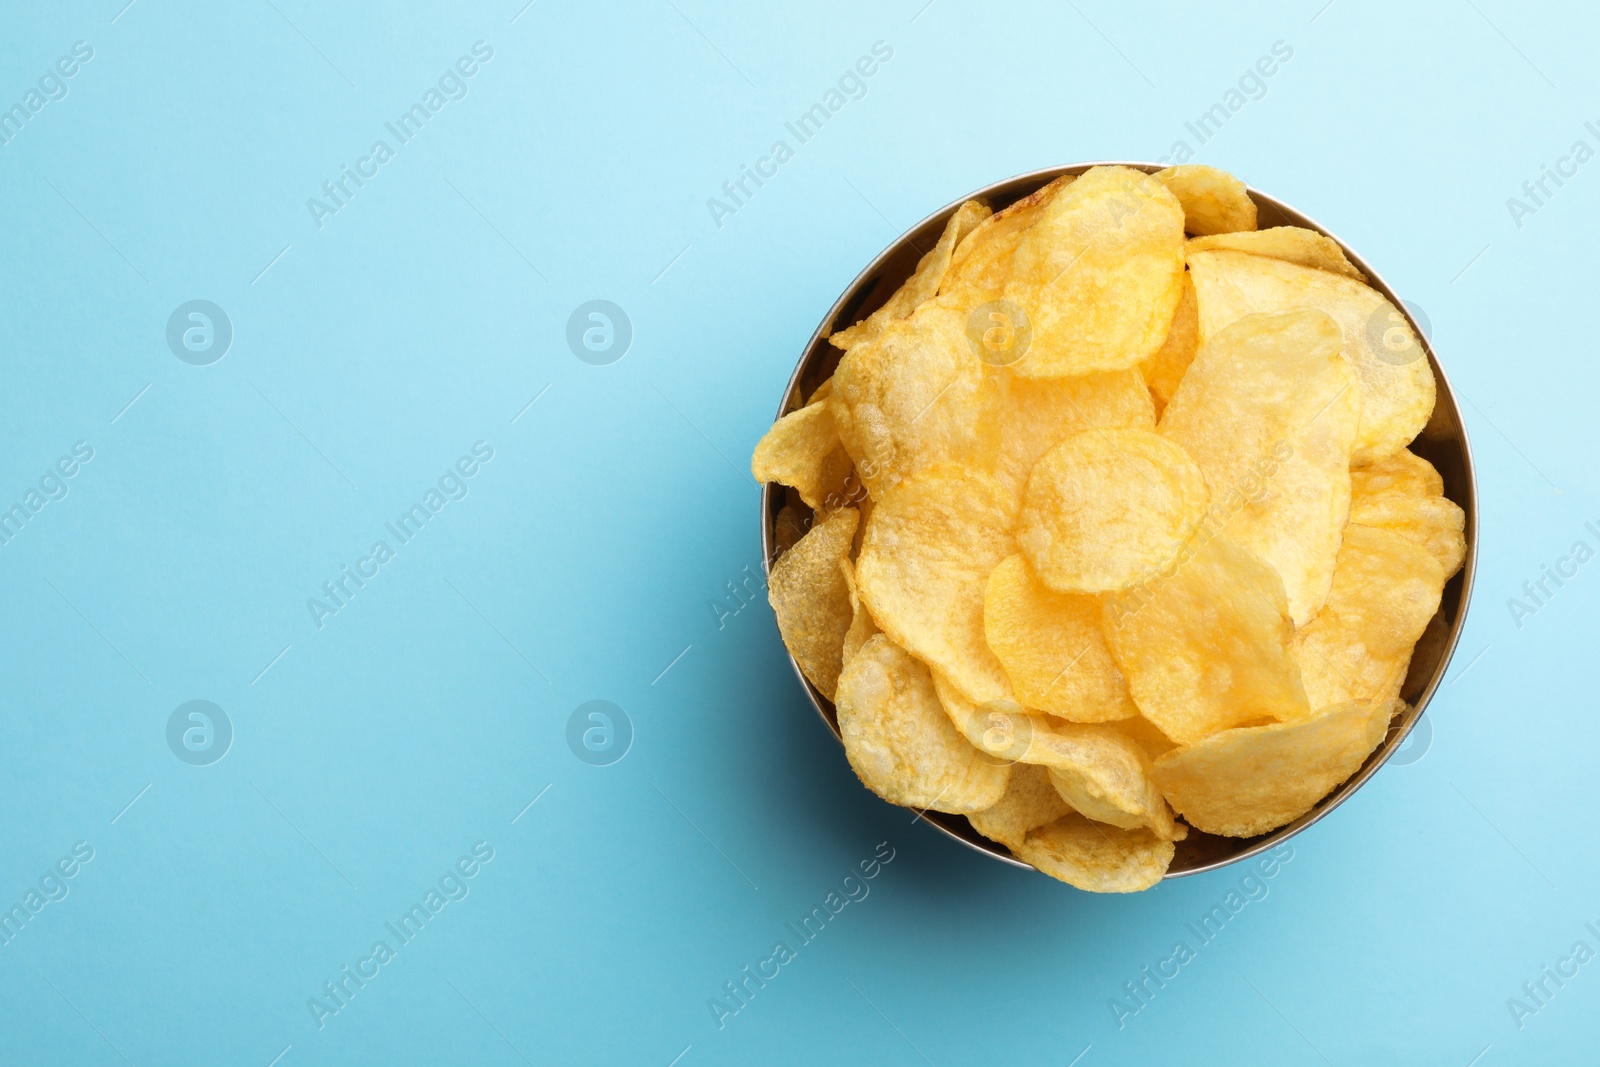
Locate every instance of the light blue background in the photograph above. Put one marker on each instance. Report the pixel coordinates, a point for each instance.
(426, 715)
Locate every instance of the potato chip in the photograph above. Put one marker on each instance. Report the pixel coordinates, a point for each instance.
(1240, 783)
(909, 398)
(1108, 507)
(1213, 200)
(802, 449)
(1269, 410)
(1205, 646)
(923, 284)
(1403, 493)
(1385, 589)
(821, 392)
(810, 599)
(1292, 243)
(1030, 802)
(1095, 857)
(1033, 415)
(1052, 648)
(1097, 277)
(982, 259)
(900, 742)
(1149, 737)
(924, 565)
(788, 528)
(1164, 370)
(1397, 387)
(1000, 728)
(861, 625)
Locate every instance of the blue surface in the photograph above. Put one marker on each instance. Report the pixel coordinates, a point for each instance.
(375, 747)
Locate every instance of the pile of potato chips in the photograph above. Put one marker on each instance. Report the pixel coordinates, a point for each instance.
(1100, 532)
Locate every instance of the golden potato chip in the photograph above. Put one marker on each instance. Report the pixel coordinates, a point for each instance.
(1213, 200)
(802, 449)
(1397, 387)
(1108, 507)
(1425, 656)
(982, 259)
(1033, 415)
(1385, 589)
(1149, 737)
(900, 742)
(1000, 728)
(1292, 243)
(1404, 494)
(810, 599)
(1052, 648)
(1269, 410)
(821, 392)
(861, 625)
(1095, 857)
(923, 284)
(1164, 370)
(1205, 646)
(1097, 277)
(1244, 782)
(1030, 802)
(924, 565)
(788, 528)
(909, 398)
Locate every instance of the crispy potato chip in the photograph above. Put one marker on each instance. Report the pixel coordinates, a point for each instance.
(788, 528)
(811, 601)
(1095, 857)
(1213, 200)
(802, 449)
(923, 285)
(982, 259)
(1404, 494)
(1033, 415)
(1097, 277)
(1385, 589)
(1292, 243)
(1205, 646)
(1150, 738)
(1164, 370)
(909, 398)
(1000, 728)
(1397, 387)
(924, 565)
(1106, 508)
(1425, 657)
(861, 625)
(821, 392)
(1030, 802)
(1269, 411)
(1052, 648)
(1240, 783)
(900, 742)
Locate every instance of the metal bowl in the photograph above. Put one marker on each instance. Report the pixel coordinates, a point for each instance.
(1443, 442)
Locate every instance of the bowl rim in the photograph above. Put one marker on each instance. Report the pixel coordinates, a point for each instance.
(1399, 730)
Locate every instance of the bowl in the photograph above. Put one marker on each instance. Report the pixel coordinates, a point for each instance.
(1443, 442)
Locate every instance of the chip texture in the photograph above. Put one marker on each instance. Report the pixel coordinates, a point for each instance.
(1107, 507)
(1052, 647)
(924, 566)
(1404, 494)
(811, 601)
(900, 742)
(1213, 200)
(1292, 243)
(803, 450)
(1244, 782)
(1033, 415)
(1096, 857)
(1165, 369)
(1207, 647)
(1030, 802)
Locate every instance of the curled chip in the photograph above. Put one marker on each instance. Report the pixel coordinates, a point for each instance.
(1404, 494)
(1213, 200)
(1150, 738)
(1385, 589)
(1397, 387)
(982, 260)
(802, 449)
(1030, 802)
(1033, 415)
(923, 285)
(1098, 274)
(811, 601)
(1164, 370)
(787, 529)
(1052, 648)
(908, 398)
(1240, 783)
(899, 740)
(1096, 857)
(1001, 728)
(924, 565)
(1269, 411)
(1292, 243)
(1207, 647)
(861, 625)
(1105, 508)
